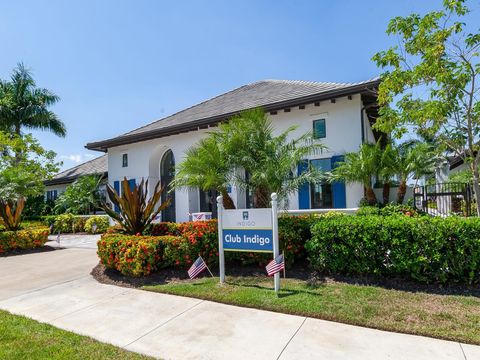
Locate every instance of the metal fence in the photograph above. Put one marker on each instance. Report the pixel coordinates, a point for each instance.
(444, 199)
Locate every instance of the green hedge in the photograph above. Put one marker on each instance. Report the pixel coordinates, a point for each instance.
(69, 223)
(422, 248)
(22, 239)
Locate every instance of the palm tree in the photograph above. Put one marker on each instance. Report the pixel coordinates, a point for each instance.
(270, 161)
(360, 167)
(387, 169)
(414, 159)
(246, 145)
(206, 167)
(23, 105)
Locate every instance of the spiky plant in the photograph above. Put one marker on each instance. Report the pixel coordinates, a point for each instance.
(11, 213)
(136, 211)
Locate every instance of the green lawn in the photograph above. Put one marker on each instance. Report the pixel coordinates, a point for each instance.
(23, 338)
(442, 316)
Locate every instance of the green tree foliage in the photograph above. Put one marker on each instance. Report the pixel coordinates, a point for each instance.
(25, 106)
(206, 167)
(137, 208)
(413, 160)
(24, 165)
(430, 82)
(247, 145)
(80, 196)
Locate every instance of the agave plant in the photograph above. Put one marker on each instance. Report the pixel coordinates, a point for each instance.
(136, 212)
(11, 213)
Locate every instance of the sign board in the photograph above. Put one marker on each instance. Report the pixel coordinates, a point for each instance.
(252, 230)
(247, 230)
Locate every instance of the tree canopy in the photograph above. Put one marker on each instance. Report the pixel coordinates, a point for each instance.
(23, 105)
(430, 82)
(24, 165)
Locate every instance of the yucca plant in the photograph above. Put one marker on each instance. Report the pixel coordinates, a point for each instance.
(136, 212)
(11, 213)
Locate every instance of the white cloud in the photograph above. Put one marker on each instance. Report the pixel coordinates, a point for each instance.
(77, 158)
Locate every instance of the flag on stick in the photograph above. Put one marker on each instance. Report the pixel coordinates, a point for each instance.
(276, 265)
(197, 267)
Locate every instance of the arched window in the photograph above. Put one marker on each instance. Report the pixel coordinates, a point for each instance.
(167, 174)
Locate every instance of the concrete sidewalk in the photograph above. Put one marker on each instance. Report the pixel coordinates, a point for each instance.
(55, 287)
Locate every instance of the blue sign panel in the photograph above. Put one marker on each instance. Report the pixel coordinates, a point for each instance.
(251, 240)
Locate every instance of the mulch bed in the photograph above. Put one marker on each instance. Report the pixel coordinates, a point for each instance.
(164, 276)
(42, 249)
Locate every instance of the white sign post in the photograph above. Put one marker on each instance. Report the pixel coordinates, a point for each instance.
(250, 230)
(276, 250)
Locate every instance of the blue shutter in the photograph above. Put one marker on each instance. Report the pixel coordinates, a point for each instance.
(304, 190)
(338, 188)
(116, 187)
(131, 184)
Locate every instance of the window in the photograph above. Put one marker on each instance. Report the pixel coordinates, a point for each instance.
(319, 130)
(125, 160)
(52, 195)
(321, 193)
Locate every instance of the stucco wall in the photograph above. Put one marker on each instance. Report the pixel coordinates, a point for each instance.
(343, 134)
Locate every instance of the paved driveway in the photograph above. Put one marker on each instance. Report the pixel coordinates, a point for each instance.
(55, 287)
(81, 241)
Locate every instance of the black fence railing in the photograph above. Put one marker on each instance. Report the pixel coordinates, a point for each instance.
(444, 199)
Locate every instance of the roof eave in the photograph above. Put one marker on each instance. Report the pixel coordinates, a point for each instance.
(194, 125)
(70, 179)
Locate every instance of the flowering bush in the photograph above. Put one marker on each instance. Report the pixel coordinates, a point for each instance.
(23, 239)
(133, 255)
(201, 238)
(102, 223)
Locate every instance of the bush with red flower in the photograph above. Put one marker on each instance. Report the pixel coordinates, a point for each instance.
(23, 239)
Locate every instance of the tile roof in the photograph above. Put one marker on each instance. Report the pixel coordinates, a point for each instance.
(264, 93)
(98, 165)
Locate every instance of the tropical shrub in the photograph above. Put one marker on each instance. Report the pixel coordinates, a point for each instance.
(102, 223)
(64, 223)
(133, 255)
(11, 213)
(425, 249)
(22, 239)
(164, 228)
(136, 209)
(388, 210)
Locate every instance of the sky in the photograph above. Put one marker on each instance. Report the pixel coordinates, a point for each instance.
(118, 64)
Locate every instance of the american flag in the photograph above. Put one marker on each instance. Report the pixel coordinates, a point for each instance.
(197, 267)
(276, 265)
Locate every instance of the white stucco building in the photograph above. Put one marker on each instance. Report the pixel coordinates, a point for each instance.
(340, 114)
(55, 186)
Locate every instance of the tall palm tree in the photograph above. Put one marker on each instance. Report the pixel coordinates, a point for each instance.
(206, 167)
(360, 167)
(270, 161)
(24, 105)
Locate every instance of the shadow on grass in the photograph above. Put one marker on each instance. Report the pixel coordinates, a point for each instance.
(251, 276)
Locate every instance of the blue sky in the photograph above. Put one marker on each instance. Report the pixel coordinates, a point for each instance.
(118, 65)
